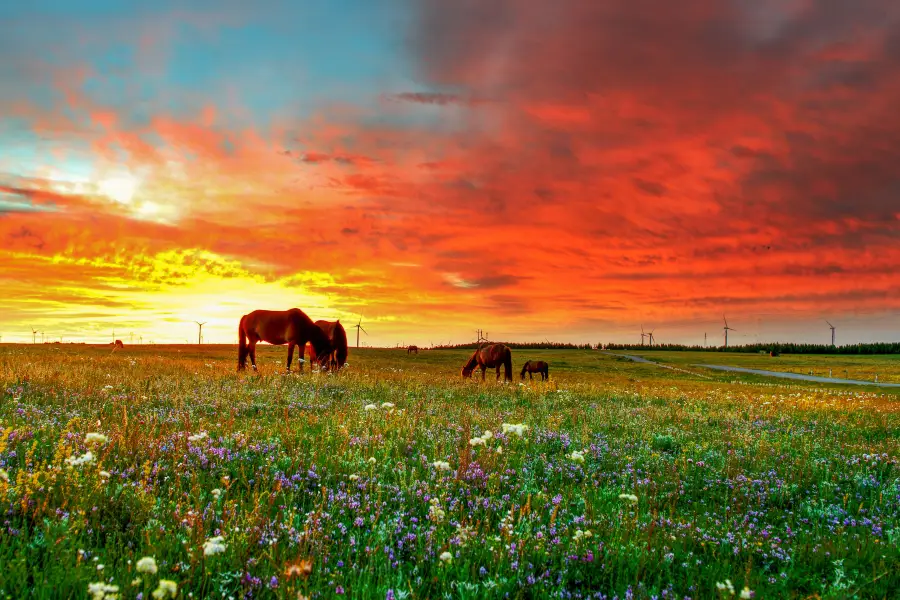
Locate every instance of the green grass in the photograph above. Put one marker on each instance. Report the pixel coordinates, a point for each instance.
(791, 490)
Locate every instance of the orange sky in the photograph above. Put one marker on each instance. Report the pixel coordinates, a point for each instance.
(565, 170)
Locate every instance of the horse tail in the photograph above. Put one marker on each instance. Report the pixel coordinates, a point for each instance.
(524, 368)
(507, 366)
(242, 346)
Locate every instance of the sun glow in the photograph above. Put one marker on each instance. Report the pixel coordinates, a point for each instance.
(120, 189)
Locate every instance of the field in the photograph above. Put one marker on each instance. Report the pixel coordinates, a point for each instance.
(627, 481)
(846, 366)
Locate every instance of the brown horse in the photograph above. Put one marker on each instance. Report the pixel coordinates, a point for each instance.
(291, 327)
(338, 337)
(536, 366)
(412, 349)
(494, 355)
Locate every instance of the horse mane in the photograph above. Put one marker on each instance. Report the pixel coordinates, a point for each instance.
(525, 366)
(470, 366)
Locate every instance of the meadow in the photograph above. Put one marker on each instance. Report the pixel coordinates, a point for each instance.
(160, 472)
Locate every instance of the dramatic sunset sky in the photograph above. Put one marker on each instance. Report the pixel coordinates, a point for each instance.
(562, 169)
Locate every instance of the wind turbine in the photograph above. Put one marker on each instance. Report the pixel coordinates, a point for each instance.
(200, 332)
(42, 337)
(643, 335)
(651, 336)
(727, 329)
(131, 338)
(358, 328)
(832, 332)
(33, 335)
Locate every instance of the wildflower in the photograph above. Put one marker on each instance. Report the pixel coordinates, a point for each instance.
(84, 459)
(197, 437)
(353, 477)
(519, 429)
(576, 456)
(372, 460)
(499, 449)
(370, 407)
(725, 586)
(146, 565)
(747, 593)
(436, 513)
(166, 589)
(441, 465)
(387, 405)
(216, 493)
(4, 476)
(101, 591)
(104, 474)
(630, 497)
(476, 441)
(213, 545)
(136, 582)
(100, 567)
(95, 437)
(487, 435)
(302, 568)
(446, 557)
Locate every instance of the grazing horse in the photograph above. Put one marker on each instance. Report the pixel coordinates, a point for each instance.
(291, 327)
(412, 349)
(536, 366)
(338, 337)
(493, 355)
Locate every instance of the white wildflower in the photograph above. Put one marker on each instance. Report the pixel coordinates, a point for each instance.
(746, 593)
(576, 456)
(214, 545)
(166, 589)
(441, 465)
(476, 441)
(725, 586)
(104, 474)
(84, 459)
(354, 477)
(95, 437)
(100, 567)
(4, 476)
(370, 407)
(387, 405)
(435, 512)
(518, 429)
(197, 437)
(372, 460)
(499, 449)
(216, 493)
(630, 497)
(136, 582)
(446, 557)
(487, 435)
(146, 565)
(103, 591)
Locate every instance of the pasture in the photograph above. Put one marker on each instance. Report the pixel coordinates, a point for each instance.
(398, 479)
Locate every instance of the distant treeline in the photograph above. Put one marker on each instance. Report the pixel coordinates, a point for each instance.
(780, 348)
(521, 346)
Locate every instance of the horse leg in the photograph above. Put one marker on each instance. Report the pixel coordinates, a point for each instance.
(498, 372)
(531, 375)
(483, 369)
(252, 350)
(291, 356)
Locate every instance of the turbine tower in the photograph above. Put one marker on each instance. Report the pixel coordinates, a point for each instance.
(200, 331)
(643, 335)
(832, 332)
(358, 328)
(727, 329)
(650, 335)
(33, 335)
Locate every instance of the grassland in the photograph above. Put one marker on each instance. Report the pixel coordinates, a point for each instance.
(848, 366)
(629, 481)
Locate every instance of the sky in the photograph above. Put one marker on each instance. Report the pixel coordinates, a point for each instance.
(568, 170)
